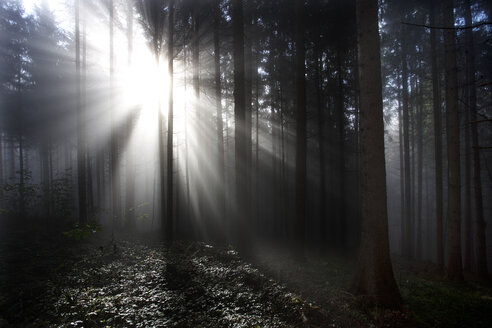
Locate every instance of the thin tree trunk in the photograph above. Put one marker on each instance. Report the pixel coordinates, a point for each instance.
(2, 179)
(321, 148)
(406, 229)
(170, 128)
(402, 170)
(114, 175)
(477, 182)
(130, 163)
(301, 136)
(341, 151)
(467, 213)
(454, 270)
(420, 146)
(81, 155)
(220, 127)
(242, 192)
(437, 143)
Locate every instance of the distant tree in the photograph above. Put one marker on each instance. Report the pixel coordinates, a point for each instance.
(374, 273)
(220, 127)
(81, 154)
(170, 130)
(301, 134)
(477, 181)
(454, 269)
(437, 140)
(242, 229)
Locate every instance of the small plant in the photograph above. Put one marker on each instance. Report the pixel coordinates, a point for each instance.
(79, 232)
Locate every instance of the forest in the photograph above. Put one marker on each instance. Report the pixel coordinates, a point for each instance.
(245, 163)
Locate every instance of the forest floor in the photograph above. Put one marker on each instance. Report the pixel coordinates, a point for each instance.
(57, 282)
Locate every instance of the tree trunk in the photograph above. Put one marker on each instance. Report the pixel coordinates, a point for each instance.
(437, 143)
(374, 274)
(2, 179)
(301, 137)
(130, 163)
(170, 129)
(321, 147)
(242, 232)
(420, 146)
(220, 127)
(454, 271)
(81, 155)
(115, 180)
(406, 227)
(341, 152)
(477, 182)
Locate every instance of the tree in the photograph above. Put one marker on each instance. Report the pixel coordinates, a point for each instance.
(81, 155)
(301, 137)
(218, 104)
(454, 270)
(170, 118)
(242, 232)
(374, 274)
(437, 141)
(407, 244)
(477, 181)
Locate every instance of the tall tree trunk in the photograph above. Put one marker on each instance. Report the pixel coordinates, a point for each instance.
(130, 163)
(2, 178)
(341, 151)
(454, 270)
(301, 137)
(477, 182)
(374, 274)
(406, 227)
(81, 155)
(114, 175)
(170, 128)
(321, 146)
(437, 142)
(402, 168)
(22, 171)
(248, 79)
(220, 127)
(420, 146)
(90, 191)
(242, 192)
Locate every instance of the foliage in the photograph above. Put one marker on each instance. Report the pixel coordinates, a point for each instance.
(82, 231)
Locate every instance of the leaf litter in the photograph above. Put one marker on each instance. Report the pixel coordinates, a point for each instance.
(130, 284)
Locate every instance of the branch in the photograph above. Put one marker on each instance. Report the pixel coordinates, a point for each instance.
(447, 27)
(480, 121)
(489, 147)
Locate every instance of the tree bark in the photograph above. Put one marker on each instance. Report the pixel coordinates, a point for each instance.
(170, 128)
(321, 147)
(374, 274)
(477, 182)
(454, 269)
(219, 124)
(301, 137)
(437, 143)
(81, 155)
(130, 163)
(242, 232)
(406, 226)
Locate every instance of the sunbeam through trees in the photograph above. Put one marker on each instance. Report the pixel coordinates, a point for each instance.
(245, 163)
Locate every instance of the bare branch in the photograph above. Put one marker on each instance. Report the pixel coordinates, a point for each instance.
(449, 27)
